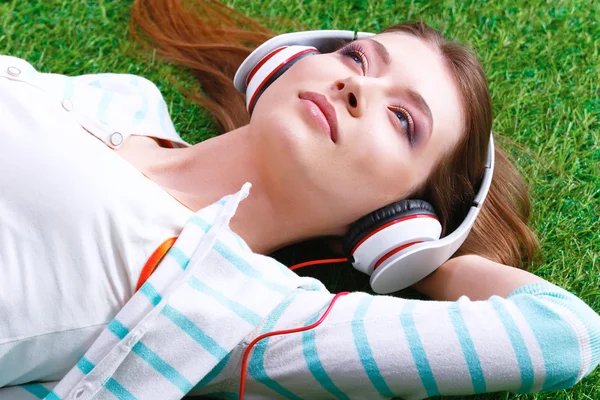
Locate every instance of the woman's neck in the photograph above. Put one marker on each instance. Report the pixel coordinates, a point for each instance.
(200, 175)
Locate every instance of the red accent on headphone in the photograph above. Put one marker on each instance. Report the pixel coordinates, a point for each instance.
(262, 62)
(390, 224)
(392, 252)
(258, 89)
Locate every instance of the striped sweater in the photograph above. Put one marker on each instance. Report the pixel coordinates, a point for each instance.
(185, 331)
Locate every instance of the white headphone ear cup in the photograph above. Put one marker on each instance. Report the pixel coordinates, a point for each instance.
(394, 239)
(408, 267)
(270, 68)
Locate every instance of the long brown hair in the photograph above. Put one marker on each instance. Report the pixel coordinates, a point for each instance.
(212, 40)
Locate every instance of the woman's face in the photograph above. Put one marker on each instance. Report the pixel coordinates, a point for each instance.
(348, 132)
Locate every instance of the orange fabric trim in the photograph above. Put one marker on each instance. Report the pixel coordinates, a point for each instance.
(154, 260)
(165, 143)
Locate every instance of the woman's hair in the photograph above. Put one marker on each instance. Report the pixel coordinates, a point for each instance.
(212, 40)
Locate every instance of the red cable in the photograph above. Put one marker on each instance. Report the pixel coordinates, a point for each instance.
(303, 328)
(316, 262)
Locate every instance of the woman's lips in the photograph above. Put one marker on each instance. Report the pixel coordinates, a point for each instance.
(322, 111)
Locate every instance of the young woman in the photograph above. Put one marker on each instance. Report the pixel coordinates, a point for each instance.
(102, 187)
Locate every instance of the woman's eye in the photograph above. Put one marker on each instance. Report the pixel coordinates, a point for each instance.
(403, 119)
(356, 58)
(406, 123)
(355, 52)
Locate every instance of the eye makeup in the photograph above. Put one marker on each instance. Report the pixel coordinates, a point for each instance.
(407, 125)
(356, 52)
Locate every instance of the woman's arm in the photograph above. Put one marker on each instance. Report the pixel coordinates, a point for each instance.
(537, 337)
(475, 277)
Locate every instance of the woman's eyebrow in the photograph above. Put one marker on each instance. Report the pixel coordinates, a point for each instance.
(381, 51)
(422, 105)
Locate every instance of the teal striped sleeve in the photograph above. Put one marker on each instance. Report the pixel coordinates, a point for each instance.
(538, 338)
(567, 329)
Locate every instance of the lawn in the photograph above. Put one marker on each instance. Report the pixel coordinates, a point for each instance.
(543, 64)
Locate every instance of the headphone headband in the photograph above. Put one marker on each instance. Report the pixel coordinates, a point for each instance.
(486, 181)
(316, 39)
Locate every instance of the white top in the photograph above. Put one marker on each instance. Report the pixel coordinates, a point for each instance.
(187, 327)
(77, 221)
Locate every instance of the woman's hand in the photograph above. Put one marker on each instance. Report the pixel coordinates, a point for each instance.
(475, 277)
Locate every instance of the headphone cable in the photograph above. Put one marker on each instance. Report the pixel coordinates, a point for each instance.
(303, 328)
(316, 262)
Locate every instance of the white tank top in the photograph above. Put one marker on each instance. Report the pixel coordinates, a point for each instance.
(77, 221)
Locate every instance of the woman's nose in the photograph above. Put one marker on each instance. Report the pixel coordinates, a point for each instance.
(352, 92)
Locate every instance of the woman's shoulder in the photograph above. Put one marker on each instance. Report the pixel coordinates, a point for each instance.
(108, 102)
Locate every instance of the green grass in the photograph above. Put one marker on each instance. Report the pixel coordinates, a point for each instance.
(543, 63)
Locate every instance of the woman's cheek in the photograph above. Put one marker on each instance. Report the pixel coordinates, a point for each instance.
(381, 144)
(388, 162)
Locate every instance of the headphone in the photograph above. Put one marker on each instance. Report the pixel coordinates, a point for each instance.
(399, 244)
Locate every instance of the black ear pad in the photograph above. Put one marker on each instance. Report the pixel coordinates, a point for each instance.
(382, 216)
(277, 74)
